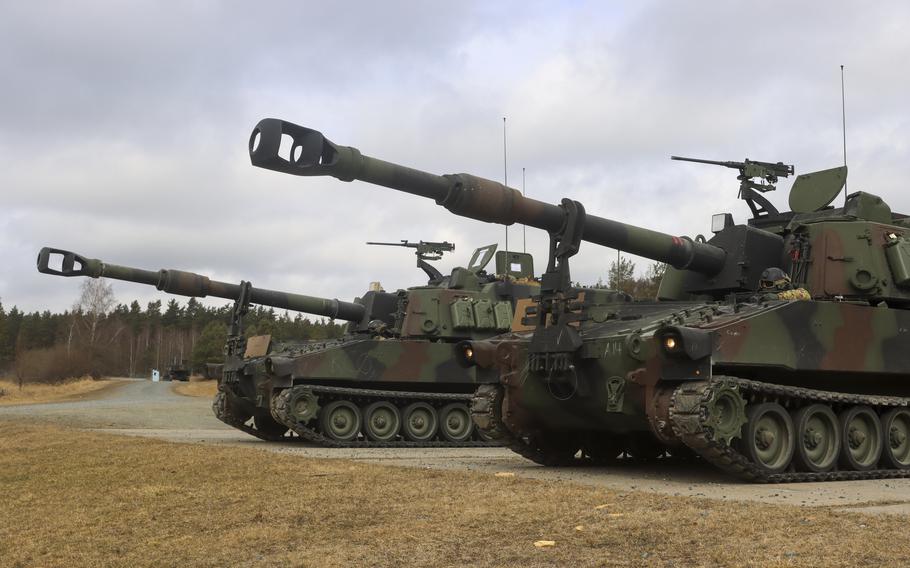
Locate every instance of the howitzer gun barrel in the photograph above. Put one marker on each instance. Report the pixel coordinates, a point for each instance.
(191, 284)
(311, 154)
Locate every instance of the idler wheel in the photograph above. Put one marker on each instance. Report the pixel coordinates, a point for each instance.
(303, 405)
(896, 428)
(861, 432)
(419, 422)
(769, 439)
(726, 413)
(268, 426)
(340, 420)
(381, 421)
(818, 438)
(455, 422)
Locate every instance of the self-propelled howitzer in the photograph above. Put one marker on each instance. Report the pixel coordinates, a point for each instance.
(776, 350)
(391, 380)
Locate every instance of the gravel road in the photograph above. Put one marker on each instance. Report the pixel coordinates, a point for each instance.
(144, 408)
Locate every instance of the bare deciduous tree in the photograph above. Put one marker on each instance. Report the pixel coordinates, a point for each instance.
(95, 300)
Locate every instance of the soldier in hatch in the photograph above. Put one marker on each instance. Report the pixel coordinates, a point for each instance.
(775, 285)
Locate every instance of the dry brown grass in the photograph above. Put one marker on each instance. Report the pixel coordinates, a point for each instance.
(32, 393)
(76, 498)
(204, 388)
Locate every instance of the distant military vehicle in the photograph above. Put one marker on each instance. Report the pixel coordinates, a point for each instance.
(776, 350)
(177, 371)
(392, 380)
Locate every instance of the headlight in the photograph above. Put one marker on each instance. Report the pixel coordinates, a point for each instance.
(686, 342)
(476, 353)
(465, 354)
(672, 343)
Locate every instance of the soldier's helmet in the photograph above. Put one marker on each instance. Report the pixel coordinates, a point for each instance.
(773, 278)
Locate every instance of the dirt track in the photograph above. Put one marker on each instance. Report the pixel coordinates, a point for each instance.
(143, 408)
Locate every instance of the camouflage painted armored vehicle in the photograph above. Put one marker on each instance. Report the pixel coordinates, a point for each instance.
(391, 380)
(777, 350)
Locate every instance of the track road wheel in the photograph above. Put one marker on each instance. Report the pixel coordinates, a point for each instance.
(861, 432)
(419, 422)
(381, 421)
(818, 438)
(340, 420)
(896, 428)
(769, 438)
(269, 427)
(455, 422)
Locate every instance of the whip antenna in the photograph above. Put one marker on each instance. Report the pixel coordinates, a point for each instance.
(505, 170)
(843, 115)
(524, 228)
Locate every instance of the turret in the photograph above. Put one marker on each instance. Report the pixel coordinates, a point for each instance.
(191, 284)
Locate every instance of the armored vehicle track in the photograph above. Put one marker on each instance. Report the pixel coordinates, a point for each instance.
(342, 417)
(791, 434)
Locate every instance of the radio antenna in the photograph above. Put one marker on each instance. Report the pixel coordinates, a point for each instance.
(505, 170)
(843, 115)
(524, 228)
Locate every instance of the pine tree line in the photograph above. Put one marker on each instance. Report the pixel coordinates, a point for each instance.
(127, 340)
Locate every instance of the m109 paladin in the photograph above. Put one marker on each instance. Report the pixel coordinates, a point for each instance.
(776, 350)
(391, 380)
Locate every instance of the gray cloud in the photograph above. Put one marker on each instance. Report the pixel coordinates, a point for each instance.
(124, 125)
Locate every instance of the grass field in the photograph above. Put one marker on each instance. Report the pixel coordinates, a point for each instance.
(36, 392)
(73, 498)
(206, 389)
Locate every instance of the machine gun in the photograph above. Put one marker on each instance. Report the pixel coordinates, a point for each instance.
(749, 190)
(425, 250)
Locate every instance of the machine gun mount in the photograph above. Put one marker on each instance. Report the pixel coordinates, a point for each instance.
(750, 191)
(425, 251)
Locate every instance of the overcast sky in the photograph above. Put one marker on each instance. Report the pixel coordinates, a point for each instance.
(124, 125)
